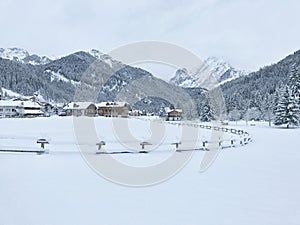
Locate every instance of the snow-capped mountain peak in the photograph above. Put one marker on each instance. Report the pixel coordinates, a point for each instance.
(104, 57)
(96, 53)
(217, 66)
(16, 54)
(183, 79)
(36, 60)
(222, 71)
(23, 56)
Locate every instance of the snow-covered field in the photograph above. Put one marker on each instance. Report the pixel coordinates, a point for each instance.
(254, 184)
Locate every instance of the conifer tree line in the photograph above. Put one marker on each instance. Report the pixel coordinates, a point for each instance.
(280, 106)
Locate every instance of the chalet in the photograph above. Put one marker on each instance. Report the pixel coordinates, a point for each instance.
(113, 109)
(174, 115)
(9, 108)
(20, 109)
(30, 109)
(81, 109)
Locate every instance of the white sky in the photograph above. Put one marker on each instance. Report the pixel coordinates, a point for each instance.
(248, 34)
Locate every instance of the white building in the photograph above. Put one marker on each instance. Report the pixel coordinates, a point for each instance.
(81, 109)
(174, 115)
(113, 109)
(9, 108)
(20, 109)
(30, 109)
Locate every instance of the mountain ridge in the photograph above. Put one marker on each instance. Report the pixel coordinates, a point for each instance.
(59, 79)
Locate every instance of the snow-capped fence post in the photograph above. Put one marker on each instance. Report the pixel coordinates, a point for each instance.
(204, 144)
(176, 144)
(43, 142)
(245, 141)
(100, 144)
(216, 128)
(233, 131)
(241, 142)
(144, 143)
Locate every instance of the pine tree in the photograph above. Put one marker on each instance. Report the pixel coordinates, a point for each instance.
(267, 107)
(294, 81)
(206, 114)
(276, 100)
(294, 84)
(287, 112)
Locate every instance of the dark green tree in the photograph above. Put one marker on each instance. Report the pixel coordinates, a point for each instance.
(287, 111)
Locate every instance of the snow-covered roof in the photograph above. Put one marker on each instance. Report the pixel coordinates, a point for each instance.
(22, 104)
(176, 110)
(60, 105)
(111, 104)
(27, 104)
(33, 112)
(30, 104)
(78, 105)
(9, 103)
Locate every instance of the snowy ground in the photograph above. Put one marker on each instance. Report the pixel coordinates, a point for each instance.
(255, 184)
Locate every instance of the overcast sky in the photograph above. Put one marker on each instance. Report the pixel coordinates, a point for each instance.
(248, 34)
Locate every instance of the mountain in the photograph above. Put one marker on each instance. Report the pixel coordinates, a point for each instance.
(254, 97)
(96, 76)
(84, 76)
(248, 97)
(221, 70)
(23, 56)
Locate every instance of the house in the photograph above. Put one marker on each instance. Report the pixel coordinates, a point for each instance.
(174, 115)
(30, 109)
(9, 108)
(20, 109)
(59, 109)
(81, 109)
(113, 109)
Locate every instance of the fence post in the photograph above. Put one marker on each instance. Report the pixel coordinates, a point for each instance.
(42, 142)
(176, 144)
(100, 144)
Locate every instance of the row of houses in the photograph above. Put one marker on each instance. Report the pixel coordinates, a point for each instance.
(107, 109)
(32, 108)
(112, 109)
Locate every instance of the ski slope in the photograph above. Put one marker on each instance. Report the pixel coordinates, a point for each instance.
(254, 184)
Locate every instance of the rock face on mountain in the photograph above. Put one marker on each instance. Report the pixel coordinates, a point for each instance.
(221, 70)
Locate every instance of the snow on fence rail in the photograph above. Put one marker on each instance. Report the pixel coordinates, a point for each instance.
(242, 138)
(14, 149)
